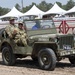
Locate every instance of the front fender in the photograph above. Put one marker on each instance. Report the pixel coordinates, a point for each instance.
(41, 45)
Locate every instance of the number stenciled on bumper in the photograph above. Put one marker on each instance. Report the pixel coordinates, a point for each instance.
(67, 52)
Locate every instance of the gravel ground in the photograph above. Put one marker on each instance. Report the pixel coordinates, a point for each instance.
(28, 67)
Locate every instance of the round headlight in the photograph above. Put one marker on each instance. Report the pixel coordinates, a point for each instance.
(51, 39)
(56, 40)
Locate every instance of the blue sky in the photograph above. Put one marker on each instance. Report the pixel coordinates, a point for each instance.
(11, 3)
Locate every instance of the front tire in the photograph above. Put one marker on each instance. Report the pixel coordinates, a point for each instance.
(34, 58)
(7, 56)
(47, 59)
(72, 60)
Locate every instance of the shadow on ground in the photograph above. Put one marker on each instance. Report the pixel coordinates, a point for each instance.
(29, 63)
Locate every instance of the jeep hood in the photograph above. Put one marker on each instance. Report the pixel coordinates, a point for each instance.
(47, 36)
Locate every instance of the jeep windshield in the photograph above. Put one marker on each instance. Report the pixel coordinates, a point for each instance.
(40, 26)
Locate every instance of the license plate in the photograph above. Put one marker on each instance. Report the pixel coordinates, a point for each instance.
(66, 47)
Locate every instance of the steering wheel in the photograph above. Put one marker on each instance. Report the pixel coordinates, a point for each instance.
(46, 26)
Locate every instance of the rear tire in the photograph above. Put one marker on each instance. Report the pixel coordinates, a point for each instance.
(47, 59)
(7, 56)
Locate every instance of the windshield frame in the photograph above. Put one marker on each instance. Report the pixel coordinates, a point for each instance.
(41, 24)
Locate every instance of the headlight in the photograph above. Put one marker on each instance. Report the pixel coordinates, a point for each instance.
(56, 40)
(53, 39)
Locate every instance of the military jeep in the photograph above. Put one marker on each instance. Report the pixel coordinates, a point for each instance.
(45, 45)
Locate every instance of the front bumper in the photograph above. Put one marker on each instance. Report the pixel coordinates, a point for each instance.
(67, 52)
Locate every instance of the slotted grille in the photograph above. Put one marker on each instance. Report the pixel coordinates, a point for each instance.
(66, 40)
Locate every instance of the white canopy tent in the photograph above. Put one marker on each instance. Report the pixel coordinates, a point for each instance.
(34, 11)
(13, 13)
(55, 10)
(72, 10)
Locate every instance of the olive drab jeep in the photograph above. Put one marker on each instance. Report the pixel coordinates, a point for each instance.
(44, 45)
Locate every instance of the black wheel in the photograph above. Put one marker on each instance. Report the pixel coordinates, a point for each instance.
(8, 56)
(47, 59)
(72, 60)
(46, 26)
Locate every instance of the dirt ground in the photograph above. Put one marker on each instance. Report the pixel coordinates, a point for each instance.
(29, 67)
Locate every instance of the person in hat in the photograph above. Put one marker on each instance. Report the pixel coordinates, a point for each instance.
(16, 33)
(21, 26)
(21, 37)
(11, 21)
(11, 28)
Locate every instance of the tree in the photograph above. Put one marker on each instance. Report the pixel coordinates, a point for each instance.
(49, 6)
(25, 9)
(59, 4)
(3, 11)
(44, 6)
(70, 4)
(64, 7)
(18, 7)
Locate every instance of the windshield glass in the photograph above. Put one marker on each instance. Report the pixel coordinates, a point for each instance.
(39, 24)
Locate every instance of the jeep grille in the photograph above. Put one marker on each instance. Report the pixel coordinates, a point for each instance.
(66, 40)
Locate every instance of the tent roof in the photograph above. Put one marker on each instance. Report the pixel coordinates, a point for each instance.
(71, 10)
(33, 11)
(13, 13)
(55, 10)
